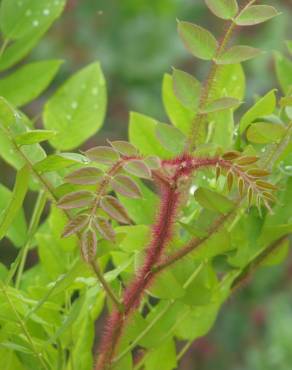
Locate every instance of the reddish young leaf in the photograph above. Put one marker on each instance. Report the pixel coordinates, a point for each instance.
(269, 196)
(243, 161)
(240, 186)
(115, 209)
(102, 154)
(84, 176)
(138, 168)
(218, 172)
(88, 245)
(257, 172)
(266, 185)
(229, 180)
(124, 147)
(76, 199)
(153, 162)
(231, 155)
(104, 228)
(126, 186)
(75, 225)
(250, 195)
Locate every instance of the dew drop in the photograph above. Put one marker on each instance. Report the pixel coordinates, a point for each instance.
(193, 189)
(94, 91)
(28, 13)
(35, 23)
(234, 78)
(46, 12)
(74, 105)
(69, 117)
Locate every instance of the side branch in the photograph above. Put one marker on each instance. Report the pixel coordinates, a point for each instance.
(199, 121)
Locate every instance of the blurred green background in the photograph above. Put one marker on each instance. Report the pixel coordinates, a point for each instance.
(136, 42)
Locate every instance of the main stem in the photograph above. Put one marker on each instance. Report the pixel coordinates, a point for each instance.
(161, 234)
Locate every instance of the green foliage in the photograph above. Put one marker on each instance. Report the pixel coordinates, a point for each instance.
(101, 204)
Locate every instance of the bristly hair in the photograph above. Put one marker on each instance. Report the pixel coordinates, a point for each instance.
(161, 234)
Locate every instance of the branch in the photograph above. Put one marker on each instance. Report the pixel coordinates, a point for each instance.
(48, 188)
(193, 244)
(199, 120)
(252, 266)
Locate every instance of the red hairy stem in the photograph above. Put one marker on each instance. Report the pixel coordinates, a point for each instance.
(161, 235)
(168, 179)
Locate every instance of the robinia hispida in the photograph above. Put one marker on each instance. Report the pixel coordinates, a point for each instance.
(151, 216)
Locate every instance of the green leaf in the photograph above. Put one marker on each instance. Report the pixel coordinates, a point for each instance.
(142, 134)
(186, 89)
(16, 232)
(237, 54)
(171, 138)
(134, 238)
(255, 14)
(163, 354)
(166, 286)
(221, 104)
(34, 137)
(180, 116)
(19, 192)
(76, 111)
(19, 18)
(289, 46)
(263, 107)
(7, 113)
(28, 82)
(16, 123)
(199, 41)
(56, 162)
(223, 128)
(230, 81)
(225, 9)
(264, 133)
(277, 256)
(213, 201)
(284, 72)
(51, 256)
(198, 322)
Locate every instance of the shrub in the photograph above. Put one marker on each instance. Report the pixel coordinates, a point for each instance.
(159, 231)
